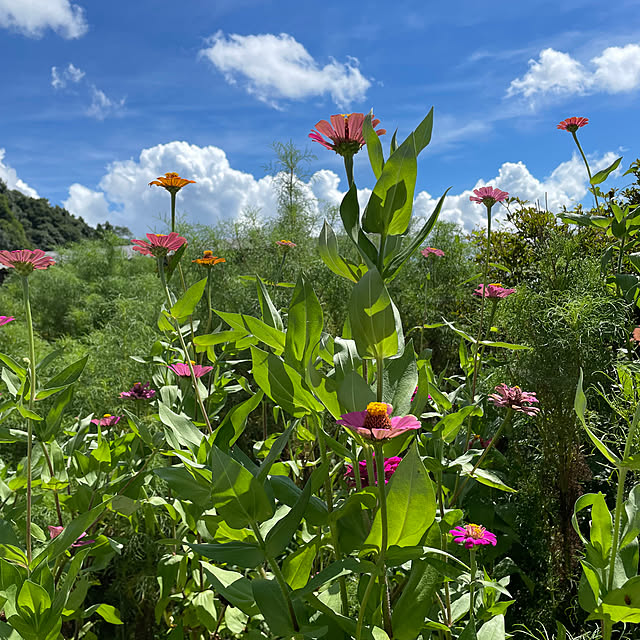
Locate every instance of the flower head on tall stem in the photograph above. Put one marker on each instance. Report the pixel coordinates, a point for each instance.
(286, 244)
(573, 124)
(472, 535)
(494, 290)
(106, 421)
(488, 196)
(375, 423)
(432, 251)
(344, 133)
(208, 259)
(6, 320)
(139, 391)
(24, 261)
(159, 244)
(182, 369)
(390, 466)
(515, 398)
(172, 182)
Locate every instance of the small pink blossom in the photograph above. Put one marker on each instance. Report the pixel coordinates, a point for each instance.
(54, 532)
(182, 369)
(573, 124)
(471, 535)
(344, 132)
(375, 424)
(159, 244)
(24, 261)
(139, 391)
(286, 244)
(488, 196)
(390, 466)
(636, 334)
(6, 320)
(106, 421)
(431, 251)
(515, 398)
(494, 290)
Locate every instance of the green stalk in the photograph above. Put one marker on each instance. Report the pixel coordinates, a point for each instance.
(173, 210)
(348, 166)
(443, 536)
(194, 380)
(586, 164)
(472, 586)
(382, 498)
(32, 395)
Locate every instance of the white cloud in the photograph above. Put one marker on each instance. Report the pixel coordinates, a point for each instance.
(34, 17)
(92, 204)
(278, 66)
(9, 176)
(60, 79)
(102, 106)
(615, 70)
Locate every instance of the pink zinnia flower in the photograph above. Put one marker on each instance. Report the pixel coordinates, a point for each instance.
(6, 320)
(494, 290)
(345, 133)
(139, 391)
(515, 398)
(488, 196)
(471, 535)
(573, 124)
(636, 334)
(54, 532)
(106, 421)
(286, 244)
(390, 466)
(24, 261)
(375, 424)
(182, 369)
(159, 244)
(430, 251)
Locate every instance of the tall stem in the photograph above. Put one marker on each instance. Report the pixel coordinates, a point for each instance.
(472, 586)
(443, 536)
(586, 164)
(173, 211)
(348, 166)
(32, 397)
(382, 498)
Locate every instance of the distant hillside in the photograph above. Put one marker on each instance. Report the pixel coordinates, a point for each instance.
(32, 223)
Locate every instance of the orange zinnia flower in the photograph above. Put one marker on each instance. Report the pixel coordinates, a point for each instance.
(172, 182)
(208, 259)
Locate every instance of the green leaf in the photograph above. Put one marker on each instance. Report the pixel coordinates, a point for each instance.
(185, 485)
(400, 378)
(273, 338)
(350, 214)
(328, 250)
(297, 566)
(486, 477)
(374, 319)
(287, 492)
(63, 379)
(422, 133)
(374, 146)
(185, 433)
(233, 586)
(54, 416)
(235, 421)
(450, 424)
(354, 394)
(188, 301)
(236, 494)
(268, 310)
(107, 612)
(411, 505)
(602, 175)
(274, 453)
(212, 339)
(273, 606)
(621, 605)
(493, 629)
(34, 599)
(281, 535)
(584, 220)
(240, 554)
(21, 372)
(601, 522)
(174, 260)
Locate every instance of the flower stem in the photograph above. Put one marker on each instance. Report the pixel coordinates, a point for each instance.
(348, 166)
(472, 586)
(382, 498)
(173, 211)
(194, 380)
(443, 536)
(586, 164)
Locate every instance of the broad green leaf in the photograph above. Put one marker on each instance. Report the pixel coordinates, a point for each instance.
(233, 586)
(400, 378)
(21, 372)
(601, 522)
(268, 310)
(54, 416)
(212, 339)
(493, 629)
(374, 146)
(184, 432)
(281, 535)
(106, 611)
(273, 606)
(328, 250)
(273, 338)
(240, 554)
(350, 214)
(486, 477)
(584, 220)
(422, 133)
(297, 566)
(185, 485)
(602, 175)
(274, 453)
(287, 492)
(235, 421)
(63, 379)
(621, 605)
(354, 393)
(188, 301)
(451, 423)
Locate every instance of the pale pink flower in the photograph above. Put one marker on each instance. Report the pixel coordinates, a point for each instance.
(515, 398)
(54, 532)
(471, 535)
(6, 320)
(390, 466)
(24, 261)
(488, 196)
(636, 334)
(182, 369)
(344, 132)
(106, 421)
(494, 290)
(573, 124)
(159, 244)
(374, 422)
(430, 251)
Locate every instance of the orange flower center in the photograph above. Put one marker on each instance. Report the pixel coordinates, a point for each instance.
(496, 284)
(208, 254)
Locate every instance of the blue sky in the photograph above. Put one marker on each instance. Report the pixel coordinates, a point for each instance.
(100, 98)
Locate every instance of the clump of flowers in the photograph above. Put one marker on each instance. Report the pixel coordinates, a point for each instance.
(494, 290)
(139, 391)
(573, 124)
(286, 244)
(54, 532)
(6, 320)
(488, 196)
(106, 421)
(432, 251)
(172, 182)
(344, 133)
(375, 423)
(24, 261)
(515, 398)
(182, 369)
(472, 535)
(159, 244)
(390, 466)
(208, 259)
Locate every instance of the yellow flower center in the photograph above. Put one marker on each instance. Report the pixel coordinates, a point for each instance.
(496, 284)
(377, 417)
(475, 531)
(107, 415)
(208, 253)
(377, 409)
(192, 361)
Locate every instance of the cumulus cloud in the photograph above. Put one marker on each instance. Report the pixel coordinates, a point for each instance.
(34, 17)
(102, 106)
(222, 193)
(9, 176)
(615, 70)
(60, 79)
(278, 66)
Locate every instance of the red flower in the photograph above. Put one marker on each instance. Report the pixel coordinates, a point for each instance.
(493, 291)
(515, 398)
(573, 124)
(24, 261)
(374, 422)
(345, 133)
(488, 196)
(159, 244)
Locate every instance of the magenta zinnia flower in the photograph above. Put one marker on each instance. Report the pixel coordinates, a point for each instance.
(431, 251)
(573, 124)
(106, 421)
(24, 261)
(345, 133)
(488, 196)
(182, 369)
(159, 244)
(375, 424)
(6, 320)
(139, 391)
(494, 290)
(390, 466)
(515, 398)
(54, 532)
(471, 535)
